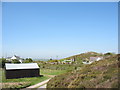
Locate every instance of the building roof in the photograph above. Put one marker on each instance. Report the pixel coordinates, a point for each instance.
(8, 57)
(15, 57)
(10, 66)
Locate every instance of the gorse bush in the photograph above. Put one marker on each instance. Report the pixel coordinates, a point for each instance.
(100, 74)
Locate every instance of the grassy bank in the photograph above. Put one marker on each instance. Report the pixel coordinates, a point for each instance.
(100, 74)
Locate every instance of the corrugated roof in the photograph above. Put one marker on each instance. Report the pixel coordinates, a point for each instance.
(21, 66)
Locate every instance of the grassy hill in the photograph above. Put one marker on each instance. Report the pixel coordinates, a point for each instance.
(80, 57)
(85, 55)
(100, 74)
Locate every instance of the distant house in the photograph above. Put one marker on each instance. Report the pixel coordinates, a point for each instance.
(21, 70)
(67, 61)
(72, 60)
(92, 59)
(8, 58)
(87, 62)
(15, 57)
(53, 62)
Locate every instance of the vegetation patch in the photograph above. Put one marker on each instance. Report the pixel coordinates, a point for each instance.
(51, 72)
(100, 74)
(21, 82)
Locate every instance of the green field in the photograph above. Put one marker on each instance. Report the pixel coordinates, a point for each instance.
(25, 82)
(51, 72)
(21, 82)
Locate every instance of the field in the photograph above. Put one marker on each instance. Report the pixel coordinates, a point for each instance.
(25, 82)
(21, 82)
(52, 72)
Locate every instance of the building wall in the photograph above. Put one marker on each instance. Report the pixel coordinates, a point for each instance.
(21, 73)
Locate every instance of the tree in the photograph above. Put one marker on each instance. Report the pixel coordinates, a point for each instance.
(50, 58)
(28, 60)
(108, 54)
(15, 61)
(2, 62)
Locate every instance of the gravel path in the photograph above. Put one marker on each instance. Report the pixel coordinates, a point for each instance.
(37, 85)
(41, 86)
(44, 86)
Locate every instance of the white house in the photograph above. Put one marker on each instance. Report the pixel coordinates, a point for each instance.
(67, 61)
(72, 60)
(95, 58)
(85, 62)
(15, 57)
(92, 59)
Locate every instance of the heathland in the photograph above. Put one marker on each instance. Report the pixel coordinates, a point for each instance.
(75, 74)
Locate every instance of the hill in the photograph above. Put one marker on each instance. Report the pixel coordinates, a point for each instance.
(83, 56)
(100, 74)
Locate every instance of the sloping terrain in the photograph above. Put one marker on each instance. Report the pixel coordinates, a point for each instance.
(85, 55)
(80, 57)
(100, 74)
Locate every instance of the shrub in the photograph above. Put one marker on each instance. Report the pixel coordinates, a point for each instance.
(2, 62)
(28, 60)
(15, 61)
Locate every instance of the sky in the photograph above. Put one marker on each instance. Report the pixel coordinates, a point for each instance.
(58, 29)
